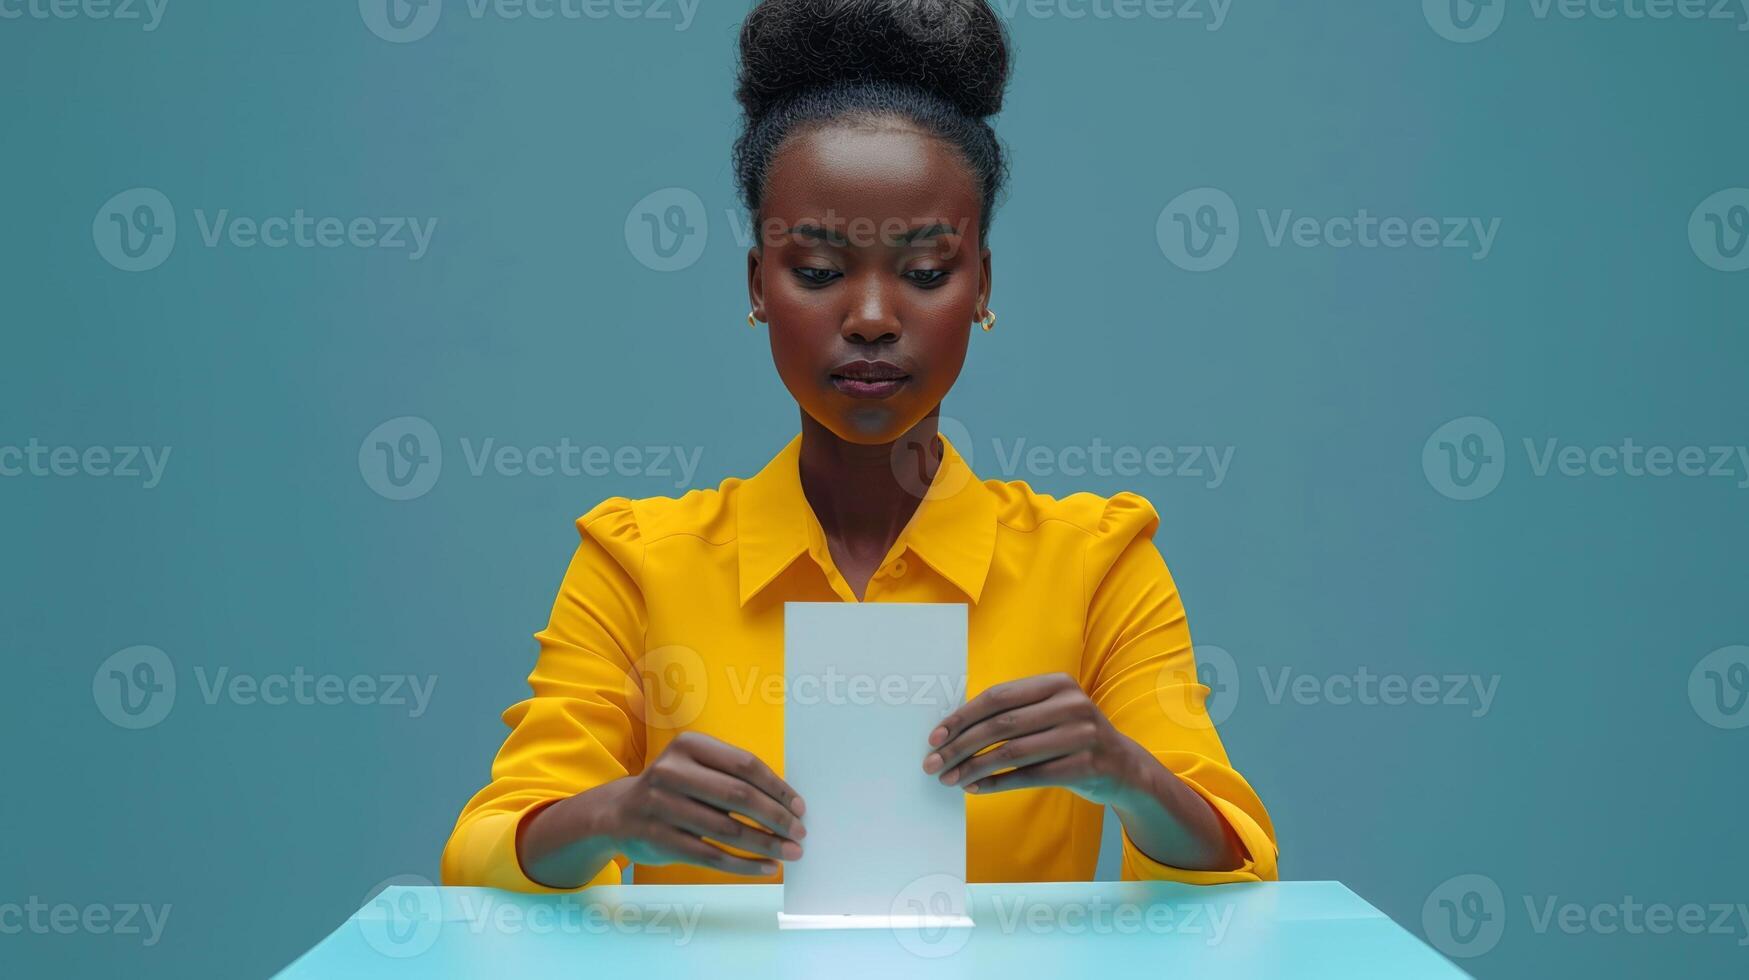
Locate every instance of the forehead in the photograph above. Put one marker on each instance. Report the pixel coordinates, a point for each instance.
(879, 172)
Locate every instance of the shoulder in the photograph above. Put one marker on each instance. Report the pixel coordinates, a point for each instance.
(1118, 517)
(1113, 535)
(639, 522)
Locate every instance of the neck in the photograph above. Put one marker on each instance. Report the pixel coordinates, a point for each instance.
(861, 498)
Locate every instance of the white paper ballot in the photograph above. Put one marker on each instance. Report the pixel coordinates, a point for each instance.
(864, 685)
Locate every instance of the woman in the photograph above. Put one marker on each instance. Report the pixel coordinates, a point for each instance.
(871, 171)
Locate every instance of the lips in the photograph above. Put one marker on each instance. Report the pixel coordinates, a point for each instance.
(869, 371)
(869, 379)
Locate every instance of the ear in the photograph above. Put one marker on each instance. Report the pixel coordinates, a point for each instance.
(984, 286)
(756, 283)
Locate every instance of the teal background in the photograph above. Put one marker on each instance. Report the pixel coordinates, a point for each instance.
(1591, 599)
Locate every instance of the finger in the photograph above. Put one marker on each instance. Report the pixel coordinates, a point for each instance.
(1001, 697)
(1024, 720)
(726, 792)
(1013, 754)
(1062, 771)
(744, 765)
(681, 846)
(694, 817)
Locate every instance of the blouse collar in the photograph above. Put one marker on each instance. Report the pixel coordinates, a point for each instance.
(953, 530)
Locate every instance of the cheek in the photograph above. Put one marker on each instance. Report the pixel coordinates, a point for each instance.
(793, 356)
(944, 350)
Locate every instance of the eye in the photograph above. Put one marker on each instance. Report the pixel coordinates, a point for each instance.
(927, 277)
(814, 276)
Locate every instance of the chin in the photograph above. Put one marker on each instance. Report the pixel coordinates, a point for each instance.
(867, 424)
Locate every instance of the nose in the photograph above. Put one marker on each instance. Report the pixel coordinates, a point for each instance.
(873, 318)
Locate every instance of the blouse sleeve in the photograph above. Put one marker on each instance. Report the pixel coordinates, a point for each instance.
(1143, 677)
(579, 729)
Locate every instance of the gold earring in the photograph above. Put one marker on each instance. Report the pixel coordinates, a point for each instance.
(988, 323)
(751, 322)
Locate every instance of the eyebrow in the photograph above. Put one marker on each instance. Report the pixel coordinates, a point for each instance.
(837, 238)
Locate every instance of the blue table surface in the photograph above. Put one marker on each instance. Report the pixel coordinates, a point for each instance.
(1105, 929)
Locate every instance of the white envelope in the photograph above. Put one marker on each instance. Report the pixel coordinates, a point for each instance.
(864, 685)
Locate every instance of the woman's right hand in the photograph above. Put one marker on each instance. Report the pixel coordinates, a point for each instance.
(663, 815)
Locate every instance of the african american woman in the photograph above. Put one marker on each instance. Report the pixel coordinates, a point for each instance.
(870, 169)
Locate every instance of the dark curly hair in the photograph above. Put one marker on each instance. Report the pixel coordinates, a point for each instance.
(942, 64)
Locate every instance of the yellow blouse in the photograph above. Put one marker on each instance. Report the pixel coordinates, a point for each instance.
(669, 600)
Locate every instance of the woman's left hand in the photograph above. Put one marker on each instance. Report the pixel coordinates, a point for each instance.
(1052, 734)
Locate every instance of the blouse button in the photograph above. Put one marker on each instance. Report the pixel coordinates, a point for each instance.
(897, 568)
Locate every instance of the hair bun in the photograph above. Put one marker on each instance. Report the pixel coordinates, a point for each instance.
(956, 49)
